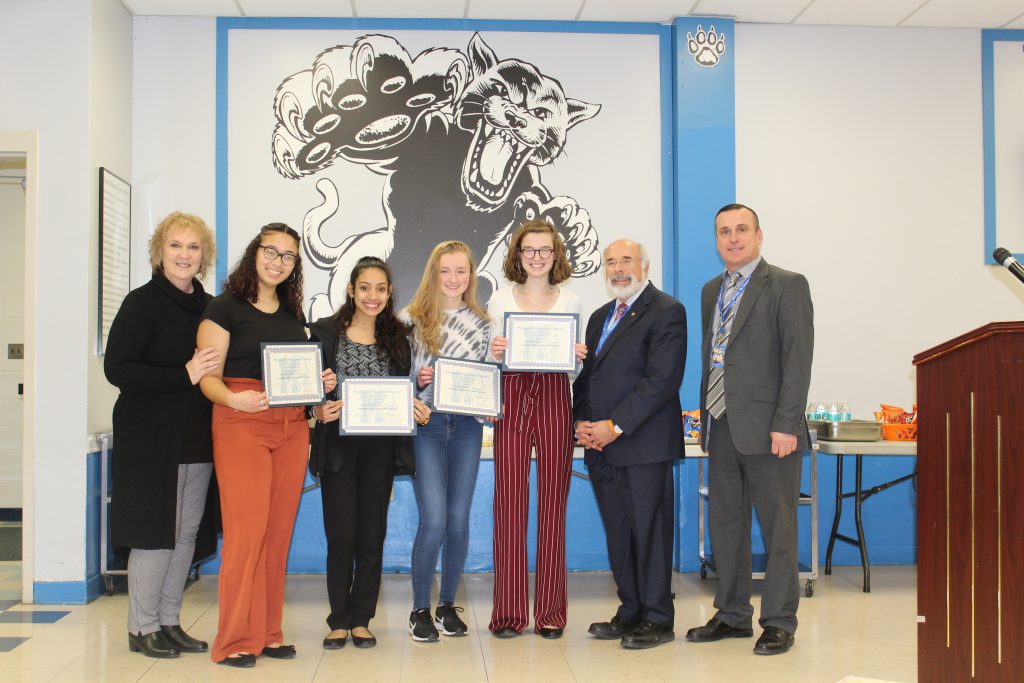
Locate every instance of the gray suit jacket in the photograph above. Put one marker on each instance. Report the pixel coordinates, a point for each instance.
(767, 360)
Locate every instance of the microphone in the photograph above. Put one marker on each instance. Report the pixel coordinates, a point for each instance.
(1005, 259)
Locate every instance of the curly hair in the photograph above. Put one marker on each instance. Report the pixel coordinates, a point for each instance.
(390, 332)
(179, 220)
(427, 307)
(244, 283)
(560, 271)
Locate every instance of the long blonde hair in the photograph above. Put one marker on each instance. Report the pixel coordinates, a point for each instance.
(427, 308)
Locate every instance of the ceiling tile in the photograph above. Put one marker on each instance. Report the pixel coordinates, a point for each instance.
(296, 8)
(412, 9)
(183, 8)
(859, 13)
(547, 10)
(773, 12)
(960, 14)
(638, 10)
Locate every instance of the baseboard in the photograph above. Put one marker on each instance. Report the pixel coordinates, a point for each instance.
(67, 592)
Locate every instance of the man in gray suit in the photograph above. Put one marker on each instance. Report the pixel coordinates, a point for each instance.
(756, 358)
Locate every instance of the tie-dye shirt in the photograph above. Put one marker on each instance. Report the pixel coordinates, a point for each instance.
(464, 335)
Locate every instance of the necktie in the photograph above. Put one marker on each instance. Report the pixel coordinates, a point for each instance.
(716, 380)
(620, 311)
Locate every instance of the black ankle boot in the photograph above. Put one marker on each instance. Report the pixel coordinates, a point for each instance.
(182, 641)
(152, 645)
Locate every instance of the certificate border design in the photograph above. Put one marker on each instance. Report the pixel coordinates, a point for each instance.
(457, 409)
(345, 428)
(310, 399)
(539, 367)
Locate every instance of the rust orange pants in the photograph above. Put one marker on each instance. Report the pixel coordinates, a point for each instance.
(260, 459)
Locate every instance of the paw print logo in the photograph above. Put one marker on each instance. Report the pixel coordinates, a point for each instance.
(706, 48)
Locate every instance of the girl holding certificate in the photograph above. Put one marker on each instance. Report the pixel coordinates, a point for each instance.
(164, 457)
(364, 338)
(259, 452)
(448, 322)
(538, 414)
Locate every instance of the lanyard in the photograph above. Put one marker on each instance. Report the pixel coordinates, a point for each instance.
(724, 308)
(610, 324)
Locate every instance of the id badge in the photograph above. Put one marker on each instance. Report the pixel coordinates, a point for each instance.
(717, 356)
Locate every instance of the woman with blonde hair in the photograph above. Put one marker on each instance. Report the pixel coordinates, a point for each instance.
(538, 414)
(448, 322)
(162, 465)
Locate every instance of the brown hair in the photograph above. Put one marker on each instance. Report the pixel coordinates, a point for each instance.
(244, 283)
(560, 271)
(427, 308)
(181, 220)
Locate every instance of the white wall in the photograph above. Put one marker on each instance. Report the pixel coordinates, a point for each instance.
(68, 84)
(861, 149)
(173, 136)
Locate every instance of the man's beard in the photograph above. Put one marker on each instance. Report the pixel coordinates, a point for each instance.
(624, 291)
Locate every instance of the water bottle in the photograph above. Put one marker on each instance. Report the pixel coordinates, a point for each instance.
(833, 411)
(821, 410)
(812, 411)
(845, 412)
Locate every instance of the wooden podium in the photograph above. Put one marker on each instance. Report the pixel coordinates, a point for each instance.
(970, 516)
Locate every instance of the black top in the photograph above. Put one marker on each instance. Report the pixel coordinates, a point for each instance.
(249, 327)
(160, 419)
(361, 360)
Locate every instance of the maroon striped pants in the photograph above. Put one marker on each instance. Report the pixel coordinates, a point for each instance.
(538, 412)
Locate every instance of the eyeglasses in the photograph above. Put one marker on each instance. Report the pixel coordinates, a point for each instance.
(272, 254)
(624, 262)
(543, 252)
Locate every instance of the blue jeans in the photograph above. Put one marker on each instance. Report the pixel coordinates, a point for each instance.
(447, 460)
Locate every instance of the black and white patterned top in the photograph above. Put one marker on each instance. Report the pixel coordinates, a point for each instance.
(464, 335)
(360, 360)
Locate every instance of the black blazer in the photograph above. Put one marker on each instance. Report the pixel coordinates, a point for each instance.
(634, 380)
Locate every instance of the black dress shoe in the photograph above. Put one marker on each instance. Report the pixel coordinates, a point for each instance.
(611, 630)
(182, 641)
(244, 661)
(505, 632)
(774, 641)
(280, 652)
(334, 643)
(647, 634)
(363, 642)
(550, 633)
(152, 645)
(716, 630)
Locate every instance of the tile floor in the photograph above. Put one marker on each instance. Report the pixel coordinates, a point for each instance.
(845, 635)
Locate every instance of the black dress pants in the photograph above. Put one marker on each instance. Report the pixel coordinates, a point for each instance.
(355, 505)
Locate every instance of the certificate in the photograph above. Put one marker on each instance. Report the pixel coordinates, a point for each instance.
(466, 387)
(291, 374)
(541, 342)
(376, 405)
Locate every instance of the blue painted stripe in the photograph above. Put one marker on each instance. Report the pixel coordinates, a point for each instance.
(340, 23)
(221, 151)
(67, 592)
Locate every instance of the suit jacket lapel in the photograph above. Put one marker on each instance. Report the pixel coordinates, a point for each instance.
(632, 315)
(758, 280)
(707, 310)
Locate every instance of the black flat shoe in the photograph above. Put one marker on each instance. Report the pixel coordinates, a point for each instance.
(334, 643)
(152, 645)
(280, 652)
(774, 641)
(363, 642)
(506, 632)
(611, 630)
(550, 633)
(716, 630)
(647, 635)
(245, 661)
(182, 641)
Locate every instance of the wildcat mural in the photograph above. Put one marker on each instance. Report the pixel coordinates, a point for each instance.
(460, 139)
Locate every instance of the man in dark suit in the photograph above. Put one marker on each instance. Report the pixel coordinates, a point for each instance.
(758, 327)
(628, 417)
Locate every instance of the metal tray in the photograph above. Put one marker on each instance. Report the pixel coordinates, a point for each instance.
(848, 430)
